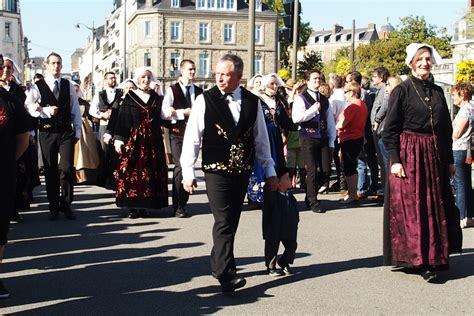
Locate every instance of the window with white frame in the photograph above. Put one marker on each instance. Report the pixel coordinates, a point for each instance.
(147, 59)
(203, 70)
(228, 33)
(147, 28)
(175, 3)
(175, 60)
(230, 4)
(258, 34)
(211, 4)
(203, 32)
(258, 64)
(175, 28)
(220, 4)
(201, 4)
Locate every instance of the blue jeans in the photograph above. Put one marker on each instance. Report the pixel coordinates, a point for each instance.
(363, 179)
(463, 184)
(384, 153)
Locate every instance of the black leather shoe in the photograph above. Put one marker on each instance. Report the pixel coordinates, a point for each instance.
(429, 275)
(69, 214)
(180, 213)
(317, 209)
(54, 215)
(232, 285)
(133, 213)
(143, 213)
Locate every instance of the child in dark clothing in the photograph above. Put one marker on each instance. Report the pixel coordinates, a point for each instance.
(280, 224)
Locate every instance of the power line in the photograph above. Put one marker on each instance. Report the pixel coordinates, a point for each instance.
(51, 49)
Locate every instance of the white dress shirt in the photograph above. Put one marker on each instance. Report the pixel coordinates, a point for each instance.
(195, 128)
(300, 114)
(94, 108)
(33, 98)
(337, 102)
(168, 102)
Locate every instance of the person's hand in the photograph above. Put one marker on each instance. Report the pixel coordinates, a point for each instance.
(397, 170)
(189, 185)
(272, 183)
(169, 112)
(317, 105)
(187, 112)
(374, 126)
(452, 170)
(107, 114)
(53, 110)
(38, 107)
(107, 138)
(118, 149)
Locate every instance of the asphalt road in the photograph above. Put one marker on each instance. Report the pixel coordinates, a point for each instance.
(106, 264)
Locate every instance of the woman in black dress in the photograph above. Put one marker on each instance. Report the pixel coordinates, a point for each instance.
(142, 174)
(421, 221)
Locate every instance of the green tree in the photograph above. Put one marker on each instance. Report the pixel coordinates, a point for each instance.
(390, 53)
(311, 60)
(303, 34)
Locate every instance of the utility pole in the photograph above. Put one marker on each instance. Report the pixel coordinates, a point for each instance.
(296, 14)
(353, 46)
(251, 49)
(124, 68)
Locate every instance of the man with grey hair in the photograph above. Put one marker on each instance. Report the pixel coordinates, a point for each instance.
(228, 121)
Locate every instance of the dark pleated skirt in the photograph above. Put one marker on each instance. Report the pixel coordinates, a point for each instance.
(421, 221)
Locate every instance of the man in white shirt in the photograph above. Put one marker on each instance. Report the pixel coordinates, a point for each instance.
(101, 105)
(318, 132)
(54, 100)
(228, 121)
(177, 103)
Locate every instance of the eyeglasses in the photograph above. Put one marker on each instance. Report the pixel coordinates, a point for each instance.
(345, 91)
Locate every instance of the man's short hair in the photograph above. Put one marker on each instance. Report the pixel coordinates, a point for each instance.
(109, 73)
(356, 76)
(382, 72)
(53, 54)
(236, 61)
(308, 74)
(184, 62)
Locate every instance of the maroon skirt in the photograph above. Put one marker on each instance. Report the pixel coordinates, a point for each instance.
(421, 221)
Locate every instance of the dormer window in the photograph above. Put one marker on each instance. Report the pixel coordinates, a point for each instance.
(258, 6)
(462, 30)
(216, 4)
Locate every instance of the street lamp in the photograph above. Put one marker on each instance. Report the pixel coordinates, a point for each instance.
(93, 30)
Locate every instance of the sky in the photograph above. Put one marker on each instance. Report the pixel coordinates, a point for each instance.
(50, 24)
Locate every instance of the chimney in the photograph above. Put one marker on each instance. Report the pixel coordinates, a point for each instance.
(148, 3)
(470, 6)
(371, 26)
(337, 28)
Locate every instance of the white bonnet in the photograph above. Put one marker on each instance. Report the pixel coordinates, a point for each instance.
(414, 47)
(16, 68)
(139, 72)
(266, 80)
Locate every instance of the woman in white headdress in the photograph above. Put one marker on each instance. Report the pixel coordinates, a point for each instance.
(274, 108)
(142, 173)
(86, 157)
(421, 221)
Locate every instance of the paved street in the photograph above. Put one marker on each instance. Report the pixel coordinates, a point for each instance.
(106, 264)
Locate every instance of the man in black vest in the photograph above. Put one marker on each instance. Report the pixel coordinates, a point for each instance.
(55, 102)
(101, 105)
(228, 121)
(177, 103)
(318, 132)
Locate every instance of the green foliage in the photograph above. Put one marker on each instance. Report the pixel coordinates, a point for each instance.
(310, 61)
(304, 32)
(390, 53)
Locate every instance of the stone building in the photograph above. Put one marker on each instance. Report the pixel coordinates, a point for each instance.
(11, 32)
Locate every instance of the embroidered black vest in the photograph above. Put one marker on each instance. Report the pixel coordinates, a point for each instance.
(104, 104)
(317, 126)
(61, 122)
(179, 103)
(226, 148)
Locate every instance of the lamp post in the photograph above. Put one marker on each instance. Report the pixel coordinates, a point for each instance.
(93, 31)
